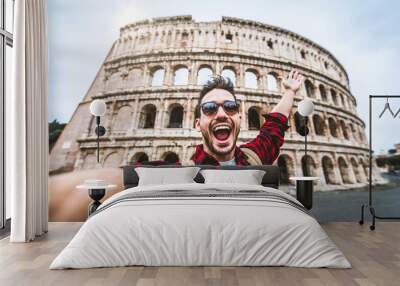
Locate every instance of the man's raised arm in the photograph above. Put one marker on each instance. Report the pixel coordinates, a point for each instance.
(291, 84)
(268, 142)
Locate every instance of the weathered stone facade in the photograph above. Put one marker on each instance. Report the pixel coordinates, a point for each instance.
(152, 76)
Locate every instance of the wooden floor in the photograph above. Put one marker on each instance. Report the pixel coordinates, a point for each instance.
(375, 257)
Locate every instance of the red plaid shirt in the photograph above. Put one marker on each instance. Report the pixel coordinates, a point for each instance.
(266, 145)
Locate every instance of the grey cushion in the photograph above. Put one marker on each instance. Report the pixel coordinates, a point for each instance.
(248, 177)
(166, 176)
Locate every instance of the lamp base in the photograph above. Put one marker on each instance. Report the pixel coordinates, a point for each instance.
(96, 195)
(304, 193)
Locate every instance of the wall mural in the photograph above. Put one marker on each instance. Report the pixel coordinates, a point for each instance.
(151, 80)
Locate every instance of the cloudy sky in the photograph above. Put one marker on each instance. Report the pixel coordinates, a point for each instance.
(363, 34)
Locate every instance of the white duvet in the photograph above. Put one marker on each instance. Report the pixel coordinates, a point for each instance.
(183, 231)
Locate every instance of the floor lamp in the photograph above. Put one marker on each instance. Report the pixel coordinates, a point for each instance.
(304, 185)
(98, 108)
(305, 108)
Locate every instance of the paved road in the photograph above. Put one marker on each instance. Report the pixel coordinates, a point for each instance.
(346, 205)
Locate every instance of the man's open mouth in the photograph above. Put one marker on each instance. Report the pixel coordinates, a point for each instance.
(222, 131)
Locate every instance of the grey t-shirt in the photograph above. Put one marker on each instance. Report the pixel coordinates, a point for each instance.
(228, 163)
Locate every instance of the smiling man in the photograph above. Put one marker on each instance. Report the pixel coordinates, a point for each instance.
(219, 122)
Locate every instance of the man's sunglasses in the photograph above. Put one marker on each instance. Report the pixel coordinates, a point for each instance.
(211, 107)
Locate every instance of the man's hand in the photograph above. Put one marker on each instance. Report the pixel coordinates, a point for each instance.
(291, 84)
(293, 81)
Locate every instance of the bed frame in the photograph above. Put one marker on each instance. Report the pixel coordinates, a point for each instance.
(270, 179)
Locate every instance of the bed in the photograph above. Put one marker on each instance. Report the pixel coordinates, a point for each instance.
(201, 224)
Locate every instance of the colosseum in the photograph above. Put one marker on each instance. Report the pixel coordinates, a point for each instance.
(151, 78)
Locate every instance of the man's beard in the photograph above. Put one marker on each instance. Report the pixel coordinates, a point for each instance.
(208, 142)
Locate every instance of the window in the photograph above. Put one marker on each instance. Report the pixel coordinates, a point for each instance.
(122, 120)
(204, 74)
(6, 44)
(270, 44)
(148, 116)
(250, 79)
(157, 77)
(319, 125)
(175, 116)
(181, 76)
(272, 82)
(344, 130)
(139, 158)
(171, 157)
(333, 127)
(228, 38)
(303, 54)
(229, 73)
(309, 88)
(334, 97)
(254, 119)
(322, 91)
(328, 170)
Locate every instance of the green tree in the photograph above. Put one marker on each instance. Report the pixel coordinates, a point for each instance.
(55, 129)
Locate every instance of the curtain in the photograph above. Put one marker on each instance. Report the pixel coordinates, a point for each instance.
(27, 130)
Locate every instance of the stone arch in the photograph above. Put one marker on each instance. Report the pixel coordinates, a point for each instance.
(352, 130)
(229, 72)
(286, 166)
(135, 77)
(328, 170)
(344, 171)
(346, 102)
(170, 157)
(113, 159)
(254, 118)
(361, 134)
(334, 97)
(272, 81)
(90, 161)
(114, 80)
(157, 76)
(319, 125)
(123, 119)
(333, 127)
(138, 157)
(251, 78)
(148, 116)
(196, 114)
(175, 116)
(322, 92)
(356, 170)
(204, 74)
(181, 75)
(365, 168)
(308, 166)
(310, 90)
(92, 126)
(342, 101)
(299, 122)
(344, 130)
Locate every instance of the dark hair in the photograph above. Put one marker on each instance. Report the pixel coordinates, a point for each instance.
(216, 82)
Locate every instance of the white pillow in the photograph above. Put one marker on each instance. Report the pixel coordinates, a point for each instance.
(166, 176)
(249, 177)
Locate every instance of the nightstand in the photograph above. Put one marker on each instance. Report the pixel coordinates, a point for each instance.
(304, 190)
(96, 190)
